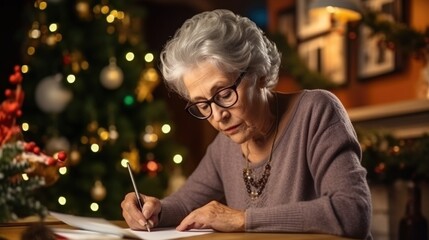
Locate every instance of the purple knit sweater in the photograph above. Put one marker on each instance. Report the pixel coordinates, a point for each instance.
(317, 183)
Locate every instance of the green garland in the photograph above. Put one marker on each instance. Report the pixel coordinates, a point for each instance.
(388, 158)
(402, 37)
(17, 196)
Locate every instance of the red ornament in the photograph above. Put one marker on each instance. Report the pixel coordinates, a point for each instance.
(51, 161)
(28, 146)
(36, 150)
(66, 59)
(10, 108)
(8, 93)
(61, 156)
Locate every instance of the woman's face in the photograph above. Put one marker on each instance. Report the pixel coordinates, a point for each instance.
(242, 121)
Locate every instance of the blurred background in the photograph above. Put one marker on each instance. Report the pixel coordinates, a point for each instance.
(93, 88)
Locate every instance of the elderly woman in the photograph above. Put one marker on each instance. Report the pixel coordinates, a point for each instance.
(282, 162)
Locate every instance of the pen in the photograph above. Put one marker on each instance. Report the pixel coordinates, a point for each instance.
(139, 200)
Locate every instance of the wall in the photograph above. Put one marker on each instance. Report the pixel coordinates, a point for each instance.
(386, 89)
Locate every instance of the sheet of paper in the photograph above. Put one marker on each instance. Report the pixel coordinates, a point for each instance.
(168, 233)
(92, 224)
(103, 226)
(76, 234)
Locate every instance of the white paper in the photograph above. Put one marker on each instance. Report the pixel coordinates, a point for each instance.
(168, 233)
(93, 224)
(75, 234)
(103, 226)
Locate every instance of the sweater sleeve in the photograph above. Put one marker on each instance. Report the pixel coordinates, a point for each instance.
(202, 186)
(341, 204)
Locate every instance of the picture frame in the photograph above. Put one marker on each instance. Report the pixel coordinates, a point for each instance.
(327, 54)
(375, 57)
(286, 25)
(309, 25)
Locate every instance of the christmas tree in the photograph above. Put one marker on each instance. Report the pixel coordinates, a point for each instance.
(91, 93)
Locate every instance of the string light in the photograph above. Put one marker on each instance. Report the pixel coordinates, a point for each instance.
(110, 18)
(62, 170)
(31, 51)
(94, 207)
(148, 57)
(35, 33)
(166, 128)
(53, 27)
(124, 162)
(62, 200)
(25, 177)
(25, 127)
(105, 9)
(152, 166)
(71, 78)
(129, 56)
(129, 100)
(24, 68)
(113, 134)
(43, 5)
(95, 147)
(177, 159)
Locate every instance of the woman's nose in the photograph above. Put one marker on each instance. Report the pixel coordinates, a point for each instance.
(217, 112)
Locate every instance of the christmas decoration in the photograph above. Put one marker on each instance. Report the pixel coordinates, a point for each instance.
(398, 35)
(149, 79)
(50, 97)
(98, 191)
(103, 68)
(387, 158)
(23, 166)
(394, 35)
(111, 76)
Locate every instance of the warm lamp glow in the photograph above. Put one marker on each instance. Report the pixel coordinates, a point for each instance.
(343, 10)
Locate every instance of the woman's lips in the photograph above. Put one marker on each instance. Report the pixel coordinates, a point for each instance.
(231, 130)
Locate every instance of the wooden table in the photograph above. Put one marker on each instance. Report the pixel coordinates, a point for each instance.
(14, 231)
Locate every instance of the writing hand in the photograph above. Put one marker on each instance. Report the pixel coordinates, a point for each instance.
(216, 216)
(135, 218)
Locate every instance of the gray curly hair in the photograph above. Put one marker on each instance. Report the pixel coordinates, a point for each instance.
(231, 42)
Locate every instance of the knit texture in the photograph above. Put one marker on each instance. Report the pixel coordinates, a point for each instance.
(317, 183)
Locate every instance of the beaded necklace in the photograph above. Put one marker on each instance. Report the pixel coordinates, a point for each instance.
(255, 186)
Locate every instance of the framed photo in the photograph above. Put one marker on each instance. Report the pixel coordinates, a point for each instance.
(375, 58)
(326, 54)
(286, 25)
(309, 25)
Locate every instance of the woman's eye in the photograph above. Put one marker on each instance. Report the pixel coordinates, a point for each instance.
(202, 106)
(224, 94)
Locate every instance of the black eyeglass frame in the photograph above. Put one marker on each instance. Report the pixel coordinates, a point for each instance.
(212, 99)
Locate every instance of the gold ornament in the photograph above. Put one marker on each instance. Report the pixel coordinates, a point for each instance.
(111, 76)
(98, 191)
(74, 157)
(133, 158)
(149, 79)
(83, 10)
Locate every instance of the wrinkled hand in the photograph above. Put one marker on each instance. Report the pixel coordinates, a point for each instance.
(134, 217)
(216, 216)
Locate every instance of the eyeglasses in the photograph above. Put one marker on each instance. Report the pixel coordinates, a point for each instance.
(225, 98)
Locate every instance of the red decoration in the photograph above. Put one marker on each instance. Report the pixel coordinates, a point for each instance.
(66, 59)
(10, 110)
(61, 156)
